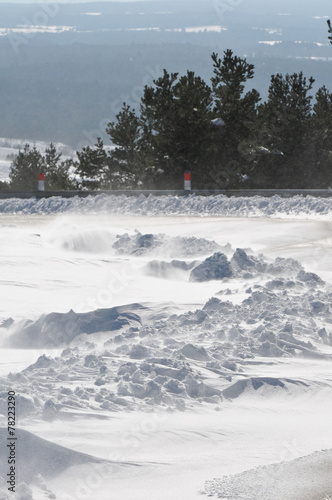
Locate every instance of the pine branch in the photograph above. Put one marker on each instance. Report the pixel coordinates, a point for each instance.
(330, 29)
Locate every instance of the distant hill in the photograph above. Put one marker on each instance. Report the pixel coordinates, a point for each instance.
(66, 68)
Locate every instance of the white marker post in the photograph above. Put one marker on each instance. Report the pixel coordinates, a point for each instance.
(41, 182)
(187, 181)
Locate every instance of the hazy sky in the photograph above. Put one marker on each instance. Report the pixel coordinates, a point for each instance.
(67, 1)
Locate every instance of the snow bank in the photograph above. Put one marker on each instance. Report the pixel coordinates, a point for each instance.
(219, 205)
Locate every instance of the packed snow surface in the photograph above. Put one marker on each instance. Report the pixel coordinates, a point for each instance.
(290, 480)
(167, 357)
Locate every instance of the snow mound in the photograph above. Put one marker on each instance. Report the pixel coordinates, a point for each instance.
(56, 329)
(216, 267)
(219, 205)
(242, 265)
(195, 352)
(177, 246)
(260, 385)
(242, 261)
(304, 478)
(25, 403)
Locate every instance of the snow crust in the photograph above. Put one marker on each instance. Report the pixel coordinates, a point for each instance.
(220, 205)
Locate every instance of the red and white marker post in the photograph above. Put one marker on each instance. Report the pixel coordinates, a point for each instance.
(187, 181)
(41, 182)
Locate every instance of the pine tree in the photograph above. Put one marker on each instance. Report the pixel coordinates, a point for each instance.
(236, 111)
(25, 169)
(92, 165)
(57, 173)
(321, 139)
(192, 133)
(330, 29)
(157, 119)
(127, 162)
(283, 130)
(177, 123)
(29, 163)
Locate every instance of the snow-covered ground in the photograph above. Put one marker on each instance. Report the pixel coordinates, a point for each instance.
(169, 348)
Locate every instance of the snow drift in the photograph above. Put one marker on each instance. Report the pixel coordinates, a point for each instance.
(36, 460)
(38, 456)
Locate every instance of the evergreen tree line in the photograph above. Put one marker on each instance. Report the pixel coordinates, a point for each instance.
(222, 133)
